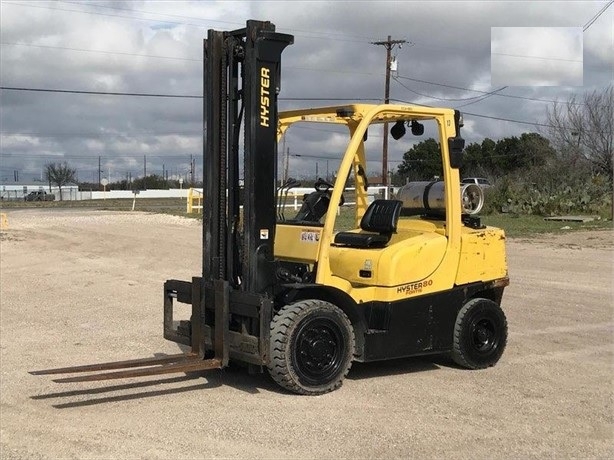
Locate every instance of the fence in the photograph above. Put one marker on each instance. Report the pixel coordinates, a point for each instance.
(194, 196)
(73, 194)
(293, 199)
(19, 192)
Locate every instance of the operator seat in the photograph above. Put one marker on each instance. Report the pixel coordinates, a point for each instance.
(380, 220)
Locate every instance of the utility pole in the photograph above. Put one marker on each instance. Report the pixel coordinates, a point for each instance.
(389, 45)
(284, 171)
(286, 164)
(99, 171)
(191, 169)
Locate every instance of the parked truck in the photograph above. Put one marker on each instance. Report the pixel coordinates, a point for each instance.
(39, 195)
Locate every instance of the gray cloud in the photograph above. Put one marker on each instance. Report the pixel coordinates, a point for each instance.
(45, 45)
(536, 56)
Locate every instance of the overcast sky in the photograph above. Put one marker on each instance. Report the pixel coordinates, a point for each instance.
(551, 56)
(156, 47)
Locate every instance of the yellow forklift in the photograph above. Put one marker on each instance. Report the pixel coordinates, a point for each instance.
(417, 275)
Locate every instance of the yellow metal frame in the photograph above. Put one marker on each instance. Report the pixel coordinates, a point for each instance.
(456, 254)
(4, 221)
(194, 203)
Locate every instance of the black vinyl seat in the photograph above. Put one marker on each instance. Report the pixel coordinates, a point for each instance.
(380, 220)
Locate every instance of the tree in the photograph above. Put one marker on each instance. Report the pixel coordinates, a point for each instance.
(154, 182)
(584, 129)
(496, 159)
(422, 161)
(475, 164)
(507, 155)
(60, 174)
(535, 150)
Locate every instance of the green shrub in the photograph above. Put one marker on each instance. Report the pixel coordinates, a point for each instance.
(554, 189)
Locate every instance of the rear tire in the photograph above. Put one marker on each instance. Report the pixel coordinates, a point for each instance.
(311, 347)
(480, 334)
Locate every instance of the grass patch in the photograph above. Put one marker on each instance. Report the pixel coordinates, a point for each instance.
(513, 224)
(526, 225)
(115, 204)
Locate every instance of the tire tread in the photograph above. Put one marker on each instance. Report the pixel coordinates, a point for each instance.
(281, 327)
(459, 355)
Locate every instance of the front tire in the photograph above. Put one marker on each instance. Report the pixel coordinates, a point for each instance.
(311, 347)
(480, 334)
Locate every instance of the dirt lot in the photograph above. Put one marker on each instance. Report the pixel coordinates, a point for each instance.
(83, 286)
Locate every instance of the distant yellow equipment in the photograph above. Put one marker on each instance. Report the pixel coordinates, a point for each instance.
(195, 201)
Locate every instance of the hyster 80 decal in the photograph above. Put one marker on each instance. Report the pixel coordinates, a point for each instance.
(414, 288)
(265, 101)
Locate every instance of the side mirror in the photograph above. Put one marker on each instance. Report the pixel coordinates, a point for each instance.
(456, 146)
(417, 129)
(398, 130)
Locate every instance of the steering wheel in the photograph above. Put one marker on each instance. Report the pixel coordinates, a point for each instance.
(322, 185)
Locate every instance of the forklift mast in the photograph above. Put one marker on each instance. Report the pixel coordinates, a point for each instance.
(241, 82)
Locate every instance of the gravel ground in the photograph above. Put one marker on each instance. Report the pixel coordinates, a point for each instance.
(82, 287)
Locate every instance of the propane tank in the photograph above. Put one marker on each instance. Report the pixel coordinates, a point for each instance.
(423, 196)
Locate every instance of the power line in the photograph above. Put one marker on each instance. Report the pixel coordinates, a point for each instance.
(537, 57)
(103, 93)
(101, 51)
(182, 156)
(325, 35)
(533, 123)
(315, 70)
(241, 24)
(100, 14)
(486, 94)
(176, 96)
(311, 34)
(591, 21)
(478, 91)
(147, 12)
(101, 134)
(120, 53)
(490, 116)
(200, 97)
(396, 78)
(584, 29)
(145, 133)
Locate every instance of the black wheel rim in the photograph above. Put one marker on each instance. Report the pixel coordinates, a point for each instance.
(484, 335)
(319, 351)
